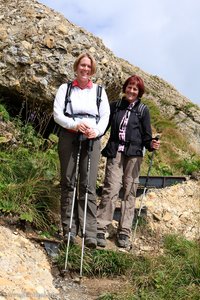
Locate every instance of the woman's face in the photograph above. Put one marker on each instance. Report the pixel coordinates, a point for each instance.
(131, 92)
(84, 69)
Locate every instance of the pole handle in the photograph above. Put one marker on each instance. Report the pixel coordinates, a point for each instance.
(157, 137)
(80, 137)
(90, 145)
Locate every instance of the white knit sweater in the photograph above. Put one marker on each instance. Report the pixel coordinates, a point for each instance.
(83, 102)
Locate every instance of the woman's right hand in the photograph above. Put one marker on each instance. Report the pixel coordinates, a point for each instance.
(89, 132)
(83, 127)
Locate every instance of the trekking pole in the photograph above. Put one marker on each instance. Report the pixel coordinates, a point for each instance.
(73, 199)
(144, 192)
(90, 147)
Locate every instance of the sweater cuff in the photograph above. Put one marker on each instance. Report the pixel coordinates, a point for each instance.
(97, 132)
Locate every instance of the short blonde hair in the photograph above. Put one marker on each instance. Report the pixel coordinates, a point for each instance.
(93, 62)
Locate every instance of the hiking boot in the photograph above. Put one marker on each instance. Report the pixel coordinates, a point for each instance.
(72, 238)
(123, 241)
(90, 242)
(101, 239)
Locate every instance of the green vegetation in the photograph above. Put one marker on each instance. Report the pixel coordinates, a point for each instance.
(27, 184)
(188, 106)
(173, 275)
(3, 113)
(189, 165)
(102, 263)
(173, 157)
(28, 176)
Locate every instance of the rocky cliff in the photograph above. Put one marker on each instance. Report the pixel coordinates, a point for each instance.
(37, 50)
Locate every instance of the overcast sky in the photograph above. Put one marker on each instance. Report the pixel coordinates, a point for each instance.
(162, 37)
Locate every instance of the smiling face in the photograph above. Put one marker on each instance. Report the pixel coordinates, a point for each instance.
(131, 92)
(84, 70)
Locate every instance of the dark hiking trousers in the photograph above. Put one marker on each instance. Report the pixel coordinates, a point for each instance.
(68, 149)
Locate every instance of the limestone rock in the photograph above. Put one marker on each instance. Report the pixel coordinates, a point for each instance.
(24, 269)
(175, 209)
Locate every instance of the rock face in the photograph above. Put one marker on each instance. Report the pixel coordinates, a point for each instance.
(38, 47)
(24, 269)
(175, 209)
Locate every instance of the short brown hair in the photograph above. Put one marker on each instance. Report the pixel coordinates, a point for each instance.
(138, 81)
(93, 62)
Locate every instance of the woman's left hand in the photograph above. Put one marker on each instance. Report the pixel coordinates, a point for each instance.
(90, 133)
(86, 130)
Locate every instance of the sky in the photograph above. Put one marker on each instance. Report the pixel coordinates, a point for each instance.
(161, 37)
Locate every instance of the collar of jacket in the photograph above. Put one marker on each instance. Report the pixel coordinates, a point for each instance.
(124, 103)
(75, 83)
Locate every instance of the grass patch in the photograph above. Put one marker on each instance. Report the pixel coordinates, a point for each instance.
(28, 174)
(101, 263)
(173, 275)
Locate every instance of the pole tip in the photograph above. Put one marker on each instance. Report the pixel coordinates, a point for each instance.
(77, 280)
(64, 272)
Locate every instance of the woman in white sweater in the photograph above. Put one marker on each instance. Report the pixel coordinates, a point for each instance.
(82, 120)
